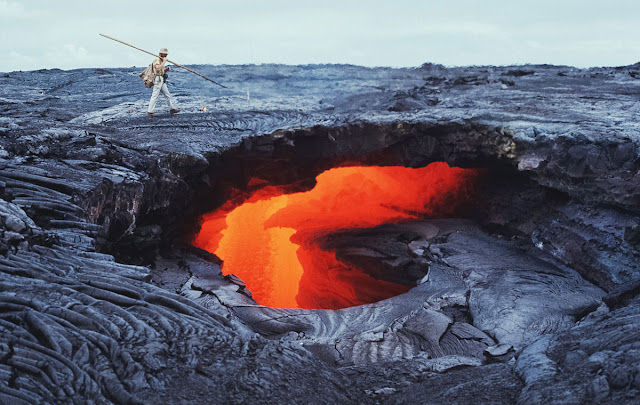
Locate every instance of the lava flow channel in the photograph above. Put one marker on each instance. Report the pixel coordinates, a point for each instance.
(269, 240)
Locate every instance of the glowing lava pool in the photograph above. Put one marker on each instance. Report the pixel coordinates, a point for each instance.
(270, 239)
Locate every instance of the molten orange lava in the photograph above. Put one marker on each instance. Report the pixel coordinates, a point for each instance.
(269, 240)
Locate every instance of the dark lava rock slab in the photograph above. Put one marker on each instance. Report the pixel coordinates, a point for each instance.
(515, 294)
(601, 354)
(386, 252)
(490, 384)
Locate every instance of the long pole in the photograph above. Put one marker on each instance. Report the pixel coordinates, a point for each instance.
(157, 56)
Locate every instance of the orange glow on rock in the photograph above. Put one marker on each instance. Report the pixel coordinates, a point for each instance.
(269, 240)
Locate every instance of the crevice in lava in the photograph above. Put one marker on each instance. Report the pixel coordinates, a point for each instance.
(272, 240)
(510, 203)
(288, 163)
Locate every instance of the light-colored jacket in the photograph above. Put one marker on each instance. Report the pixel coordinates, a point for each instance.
(155, 71)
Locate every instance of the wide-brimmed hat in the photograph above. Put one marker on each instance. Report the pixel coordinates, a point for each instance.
(164, 50)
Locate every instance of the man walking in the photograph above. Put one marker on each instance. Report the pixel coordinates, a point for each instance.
(159, 83)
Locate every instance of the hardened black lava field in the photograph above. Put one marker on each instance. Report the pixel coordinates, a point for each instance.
(527, 293)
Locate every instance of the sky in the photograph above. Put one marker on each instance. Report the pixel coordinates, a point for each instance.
(45, 34)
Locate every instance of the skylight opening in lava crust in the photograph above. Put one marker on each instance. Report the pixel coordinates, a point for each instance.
(271, 239)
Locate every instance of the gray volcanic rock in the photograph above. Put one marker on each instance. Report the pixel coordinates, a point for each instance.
(532, 298)
(517, 295)
(602, 361)
(512, 294)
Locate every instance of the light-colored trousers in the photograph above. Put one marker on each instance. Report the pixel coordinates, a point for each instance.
(159, 85)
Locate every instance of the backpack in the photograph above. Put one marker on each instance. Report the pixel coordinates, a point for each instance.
(148, 77)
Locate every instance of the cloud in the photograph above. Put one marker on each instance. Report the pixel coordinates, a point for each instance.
(19, 61)
(11, 10)
(70, 56)
(472, 28)
(75, 52)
